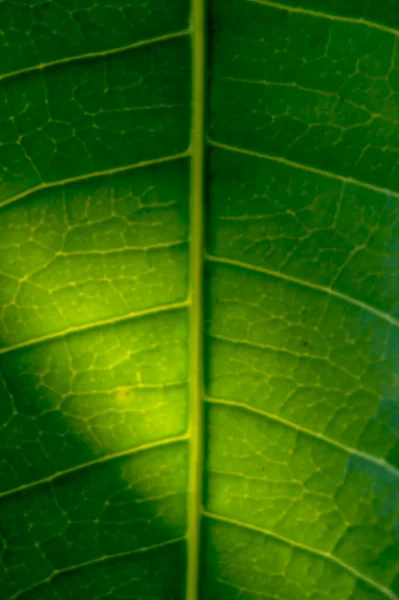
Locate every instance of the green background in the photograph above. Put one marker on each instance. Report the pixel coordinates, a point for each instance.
(300, 305)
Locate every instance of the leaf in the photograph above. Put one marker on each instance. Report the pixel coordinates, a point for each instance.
(199, 300)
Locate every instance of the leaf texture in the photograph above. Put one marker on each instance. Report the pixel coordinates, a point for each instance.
(199, 300)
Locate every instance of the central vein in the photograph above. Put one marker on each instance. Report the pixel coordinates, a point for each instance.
(196, 296)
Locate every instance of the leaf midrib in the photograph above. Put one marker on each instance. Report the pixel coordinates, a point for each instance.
(196, 428)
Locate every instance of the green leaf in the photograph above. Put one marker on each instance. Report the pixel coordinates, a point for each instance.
(199, 294)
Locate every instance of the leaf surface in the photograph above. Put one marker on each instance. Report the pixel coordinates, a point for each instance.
(199, 300)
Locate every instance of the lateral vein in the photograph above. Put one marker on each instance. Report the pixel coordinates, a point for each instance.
(326, 555)
(96, 325)
(93, 175)
(367, 457)
(91, 55)
(302, 167)
(90, 563)
(92, 463)
(328, 16)
(303, 283)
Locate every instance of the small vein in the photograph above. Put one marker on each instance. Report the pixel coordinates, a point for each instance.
(252, 344)
(326, 555)
(94, 174)
(365, 456)
(240, 589)
(288, 352)
(302, 167)
(303, 283)
(89, 563)
(331, 95)
(91, 55)
(95, 325)
(232, 474)
(328, 16)
(92, 463)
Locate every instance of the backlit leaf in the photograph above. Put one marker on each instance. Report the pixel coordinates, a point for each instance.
(199, 296)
